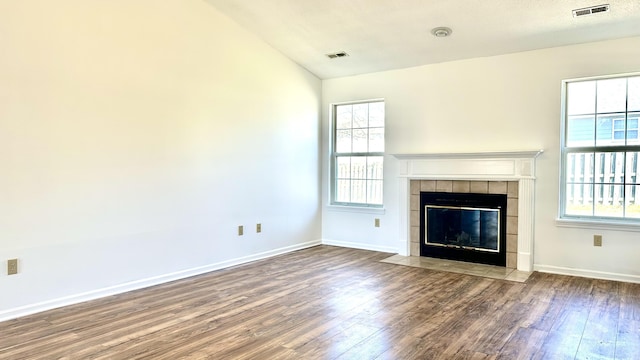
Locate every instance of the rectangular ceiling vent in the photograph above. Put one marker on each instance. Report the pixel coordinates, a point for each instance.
(591, 10)
(337, 55)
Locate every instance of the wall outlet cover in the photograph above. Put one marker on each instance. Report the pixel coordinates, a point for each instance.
(12, 267)
(597, 240)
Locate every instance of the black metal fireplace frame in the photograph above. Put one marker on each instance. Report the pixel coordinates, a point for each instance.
(473, 200)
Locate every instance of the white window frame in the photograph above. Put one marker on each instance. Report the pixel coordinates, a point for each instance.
(592, 221)
(349, 206)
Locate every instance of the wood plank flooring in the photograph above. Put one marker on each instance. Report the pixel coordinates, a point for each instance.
(336, 303)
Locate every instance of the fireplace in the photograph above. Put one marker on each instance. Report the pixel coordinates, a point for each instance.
(464, 226)
(510, 173)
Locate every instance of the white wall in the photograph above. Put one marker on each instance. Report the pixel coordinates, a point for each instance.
(502, 103)
(135, 136)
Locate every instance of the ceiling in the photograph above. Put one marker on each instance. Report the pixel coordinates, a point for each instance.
(391, 34)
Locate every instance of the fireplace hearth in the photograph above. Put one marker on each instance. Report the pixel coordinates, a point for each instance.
(464, 226)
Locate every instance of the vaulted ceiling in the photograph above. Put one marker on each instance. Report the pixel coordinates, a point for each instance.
(390, 34)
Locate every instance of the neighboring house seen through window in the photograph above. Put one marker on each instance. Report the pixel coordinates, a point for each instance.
(600, 149)
(358, 154)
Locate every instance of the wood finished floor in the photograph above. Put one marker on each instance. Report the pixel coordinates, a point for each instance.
(336, 303)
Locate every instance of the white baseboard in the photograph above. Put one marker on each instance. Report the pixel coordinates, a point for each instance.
(587, 273)
(143, 283)
(347, 244)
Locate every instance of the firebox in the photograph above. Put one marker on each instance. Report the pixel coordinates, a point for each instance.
(464, 226)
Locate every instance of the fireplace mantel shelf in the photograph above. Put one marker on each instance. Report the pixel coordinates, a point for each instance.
(527, 154)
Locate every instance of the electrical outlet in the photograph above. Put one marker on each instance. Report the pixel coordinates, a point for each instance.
(12, 267)
(376, 222)
(258, 228)
(240, 230)
(597, 240)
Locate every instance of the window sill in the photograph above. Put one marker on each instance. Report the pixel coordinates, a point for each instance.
(598, 224)
(356, 209)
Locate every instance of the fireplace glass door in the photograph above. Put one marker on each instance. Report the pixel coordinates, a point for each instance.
(464, 227)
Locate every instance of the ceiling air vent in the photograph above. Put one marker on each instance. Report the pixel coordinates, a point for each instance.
(591, 10)
(337, 55)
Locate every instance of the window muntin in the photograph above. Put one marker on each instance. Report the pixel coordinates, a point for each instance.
(358, 153)
(600, 149)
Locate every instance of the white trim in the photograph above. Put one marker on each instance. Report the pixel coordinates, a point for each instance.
(601, 225)
(601, 77)
(561, 154)
(357, 209)
(530, 154)
(363, 101)
(354, 245)
(526, 224)
(587, 273)
(503, 166)
(143, 283)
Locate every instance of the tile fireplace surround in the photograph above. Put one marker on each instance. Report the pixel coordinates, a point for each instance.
(511, 173)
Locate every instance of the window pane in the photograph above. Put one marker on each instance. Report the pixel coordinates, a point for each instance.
(358, 167)
(617, 164)
(632, 168)
(611, 205)
(632, 129)
(360, 140)
(579, 189)
(374, 191)
(580, 167)
(376, 139)
(343, 141)
(604, 130)
(602, 168)
(610, 130)
(612, 95)
(609, 168)
(361, 115)
(580, 131)
(632, 205)
(579, 199)
(376, 114)
(599, 194)
(343, 191)
(570, 168)
(634, 94)
(374, 167)
(343, 116)
(343, 167)
(581, 98)
(359, 191)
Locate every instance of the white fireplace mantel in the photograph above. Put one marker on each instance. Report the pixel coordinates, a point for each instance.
(491, 166)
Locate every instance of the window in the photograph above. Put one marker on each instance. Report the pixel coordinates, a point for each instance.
(600, 149)
(358, 154)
